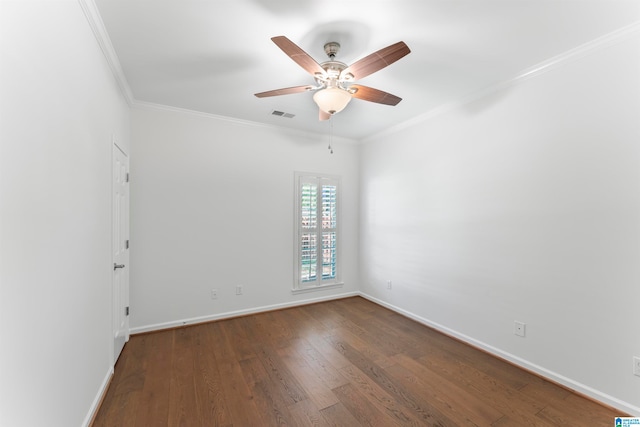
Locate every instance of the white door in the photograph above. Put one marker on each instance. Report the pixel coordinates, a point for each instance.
(120, 250)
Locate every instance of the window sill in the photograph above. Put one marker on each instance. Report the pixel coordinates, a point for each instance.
(316, 288)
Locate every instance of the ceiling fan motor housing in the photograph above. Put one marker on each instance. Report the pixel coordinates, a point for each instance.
(332, 69)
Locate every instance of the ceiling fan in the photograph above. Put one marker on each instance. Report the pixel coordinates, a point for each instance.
(334, 79)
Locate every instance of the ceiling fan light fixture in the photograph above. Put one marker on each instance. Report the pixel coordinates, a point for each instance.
(332, 99)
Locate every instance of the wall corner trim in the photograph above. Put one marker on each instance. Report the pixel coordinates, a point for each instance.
(104, 41)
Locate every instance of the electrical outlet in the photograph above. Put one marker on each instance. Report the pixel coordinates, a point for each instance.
(636, 365)
(238, 289)
(388, 284)
(214, 294)
(519, 329)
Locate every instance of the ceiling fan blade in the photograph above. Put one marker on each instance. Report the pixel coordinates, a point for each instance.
(301, 57)
(376, 61)
(367, 93)
(285, 91)
(323, 115)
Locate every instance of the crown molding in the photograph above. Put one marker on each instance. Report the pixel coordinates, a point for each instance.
(142, 105)
(535, 71)
(94, 19)
(602, 42)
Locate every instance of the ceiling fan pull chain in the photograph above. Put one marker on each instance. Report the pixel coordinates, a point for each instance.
(330, 134)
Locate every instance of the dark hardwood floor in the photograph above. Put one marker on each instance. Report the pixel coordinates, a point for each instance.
(347, 362)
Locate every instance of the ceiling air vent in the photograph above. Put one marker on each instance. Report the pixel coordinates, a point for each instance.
(282, 114)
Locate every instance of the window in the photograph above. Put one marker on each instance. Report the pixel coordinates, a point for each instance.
(317, 232)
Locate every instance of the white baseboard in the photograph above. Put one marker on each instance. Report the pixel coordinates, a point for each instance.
(230, 314)
(539, 370)
(98, 399)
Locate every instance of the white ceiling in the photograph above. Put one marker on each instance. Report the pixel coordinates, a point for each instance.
(211, 56)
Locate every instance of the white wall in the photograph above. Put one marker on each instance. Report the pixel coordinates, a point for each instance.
(59, 106)
(212, 208)
(523, 205)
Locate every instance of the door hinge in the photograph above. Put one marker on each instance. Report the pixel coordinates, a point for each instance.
(126, 244)
(126, 311)
(126, 178)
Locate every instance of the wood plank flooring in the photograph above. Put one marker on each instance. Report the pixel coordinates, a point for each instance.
(347, 362)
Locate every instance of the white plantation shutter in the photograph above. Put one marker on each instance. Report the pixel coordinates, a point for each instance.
(317, 237)
(329, 224)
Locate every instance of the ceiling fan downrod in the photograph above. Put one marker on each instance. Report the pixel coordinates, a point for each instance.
(332, 49)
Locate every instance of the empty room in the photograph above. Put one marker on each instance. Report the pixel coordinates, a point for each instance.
(263, 212)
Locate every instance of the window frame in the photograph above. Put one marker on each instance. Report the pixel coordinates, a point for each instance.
(319, 283)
